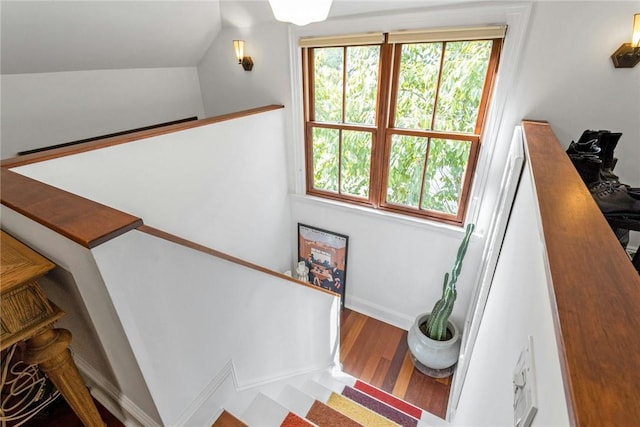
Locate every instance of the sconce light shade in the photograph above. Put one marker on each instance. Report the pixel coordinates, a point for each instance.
(635, 41)
(238, 46)
(628, 54)
(245, 61)
(300, 12)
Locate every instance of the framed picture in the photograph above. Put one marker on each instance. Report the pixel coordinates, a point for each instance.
(324, 254)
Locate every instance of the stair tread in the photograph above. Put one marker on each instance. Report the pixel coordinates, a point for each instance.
(377, 400)
(293, 420)
(227, 419)
(380, 407)
(357, 412)
(265, 412)
(324, 416)
(295, 400)
(389, 399)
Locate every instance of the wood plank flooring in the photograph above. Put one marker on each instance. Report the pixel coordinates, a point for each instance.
(371, 350)
(377, 353)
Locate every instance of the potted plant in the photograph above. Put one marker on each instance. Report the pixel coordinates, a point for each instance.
(434, 341)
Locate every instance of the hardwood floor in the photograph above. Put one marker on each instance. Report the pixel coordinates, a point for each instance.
(371, 350)
(377, 353)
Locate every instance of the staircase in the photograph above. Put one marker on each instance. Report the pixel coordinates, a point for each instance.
(326, 399)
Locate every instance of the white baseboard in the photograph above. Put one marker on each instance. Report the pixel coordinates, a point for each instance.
(376, 311)
(203, 400)
(112, 398)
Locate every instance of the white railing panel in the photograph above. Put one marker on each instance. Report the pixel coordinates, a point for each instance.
(187, 313)
(222, 185)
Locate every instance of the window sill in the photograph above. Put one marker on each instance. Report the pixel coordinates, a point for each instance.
(379, 215)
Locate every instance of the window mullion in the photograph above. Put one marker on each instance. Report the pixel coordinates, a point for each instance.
(379, 149)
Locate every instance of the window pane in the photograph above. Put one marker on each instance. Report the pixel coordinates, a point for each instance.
(406, 163)
(326, 143)
(443, 181)
(362, 84)
(328, 84)
(463, 73)
(417, 83)
(356, 163)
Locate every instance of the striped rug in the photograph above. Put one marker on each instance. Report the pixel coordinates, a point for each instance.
(389, 399)
(380, 407)
(357, 412)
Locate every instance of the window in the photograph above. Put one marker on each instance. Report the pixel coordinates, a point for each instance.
(394, 121)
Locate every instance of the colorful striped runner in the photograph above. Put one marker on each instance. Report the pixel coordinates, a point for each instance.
(389, 399)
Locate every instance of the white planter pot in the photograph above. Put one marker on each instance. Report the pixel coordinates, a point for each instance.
(432, 357)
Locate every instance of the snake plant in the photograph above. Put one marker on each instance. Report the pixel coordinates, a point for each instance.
(439, 317)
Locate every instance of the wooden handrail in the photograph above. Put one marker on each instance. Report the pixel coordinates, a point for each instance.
(192, 245)
(121, 139)
(594, 290)
(86, 222)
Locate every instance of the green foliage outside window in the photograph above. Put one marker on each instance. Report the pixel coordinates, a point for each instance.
(424, 172)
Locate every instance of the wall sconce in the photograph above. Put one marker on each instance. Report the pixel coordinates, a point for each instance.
(245, 61)
(628, 55)
(300, 12)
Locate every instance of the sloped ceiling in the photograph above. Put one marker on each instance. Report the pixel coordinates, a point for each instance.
(63, 35)
(51, 36)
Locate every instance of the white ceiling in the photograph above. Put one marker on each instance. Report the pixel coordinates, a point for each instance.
(61, 35)
(50, 36)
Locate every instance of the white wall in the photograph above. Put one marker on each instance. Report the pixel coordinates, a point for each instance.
(226, 87)
(222, 185)
(518, 306)
(564, 75)
(391, 261)
(186, 314)
(568, 78)
(44, 109)
(395, 266)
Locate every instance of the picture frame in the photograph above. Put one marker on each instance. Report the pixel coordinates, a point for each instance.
(324, 254)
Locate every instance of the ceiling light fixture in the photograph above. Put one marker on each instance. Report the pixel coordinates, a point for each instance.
(300, 12)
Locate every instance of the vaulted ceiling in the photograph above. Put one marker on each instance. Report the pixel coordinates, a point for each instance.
(59, 35)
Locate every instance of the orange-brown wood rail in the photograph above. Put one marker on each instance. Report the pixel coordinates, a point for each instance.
(594, 289)
(86, 222)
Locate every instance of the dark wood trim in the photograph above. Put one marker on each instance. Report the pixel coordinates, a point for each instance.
(388, 83)
(108, 142)
(200, 248)
(82, 220)
(457, 136)
(343, 126)
(594, 291)
(492, 71)
(111, 135)
(379, 156)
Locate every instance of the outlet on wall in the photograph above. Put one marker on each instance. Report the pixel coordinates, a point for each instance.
(525, 400)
